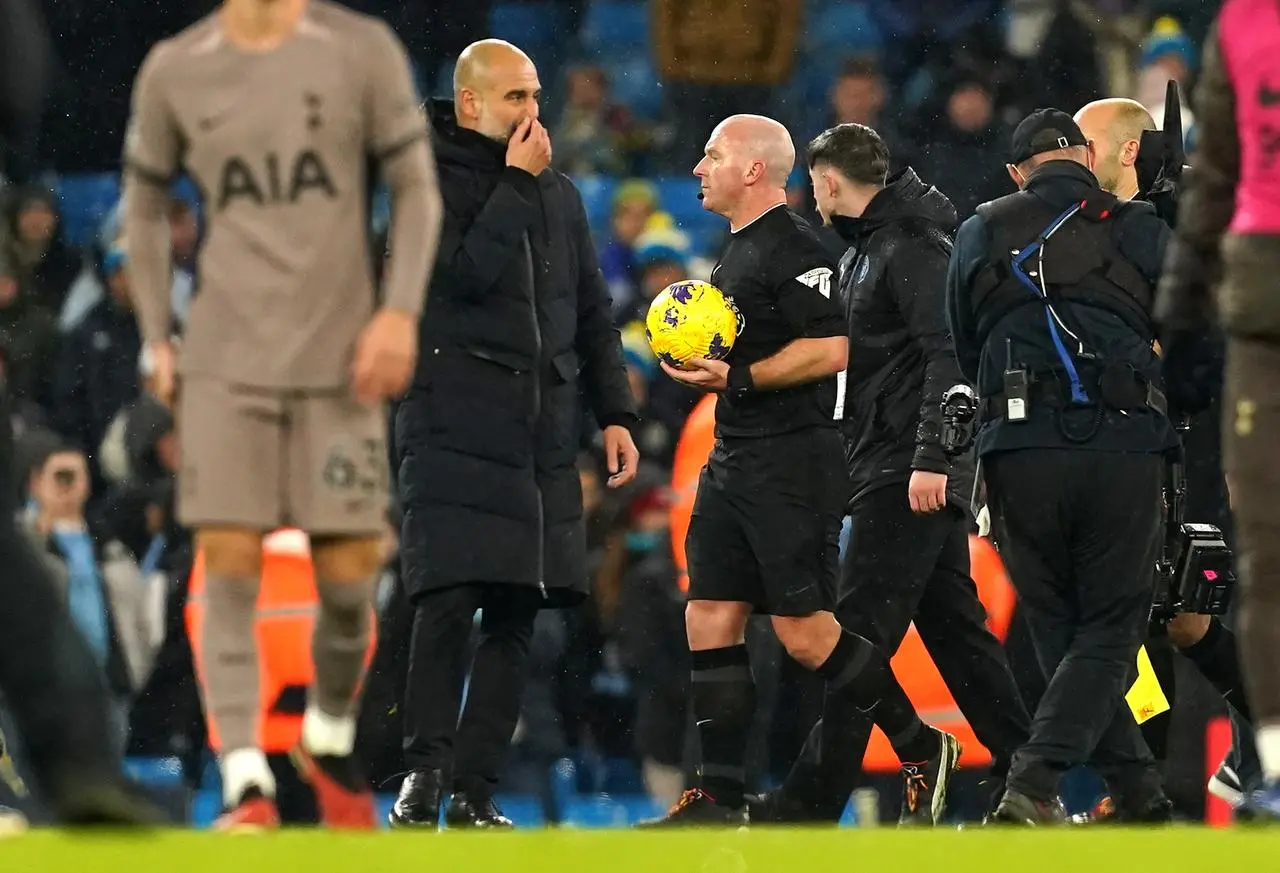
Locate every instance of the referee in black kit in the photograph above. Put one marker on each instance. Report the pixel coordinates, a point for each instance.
(765, 529)
(908, 553)
(1049, 294)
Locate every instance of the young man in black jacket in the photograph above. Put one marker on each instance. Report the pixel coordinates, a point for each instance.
(908, 553)
(517, 327)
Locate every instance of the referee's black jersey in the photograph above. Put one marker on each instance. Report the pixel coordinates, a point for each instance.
(780, 277)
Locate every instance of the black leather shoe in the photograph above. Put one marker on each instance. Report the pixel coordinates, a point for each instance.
(482, 814)
(1017, 808)
(418, 803)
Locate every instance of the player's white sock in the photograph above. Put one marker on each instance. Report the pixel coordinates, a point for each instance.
(1268, 742)
(324, 734)
(243, 769)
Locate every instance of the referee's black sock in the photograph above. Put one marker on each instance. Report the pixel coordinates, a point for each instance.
(859, 673)
(724, 703)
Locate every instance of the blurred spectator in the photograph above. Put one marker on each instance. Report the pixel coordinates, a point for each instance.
(1167, 53)
(1118, 27)
(140, 457)
(184, 229)
(1061, 67)
(29, 340)
(107, 594)
(594, 134)
(88, 288)
(923, 31)
(42, 263)
(98, 366)
(651, 640)
(964, 156)
(662, 257)
(25, 416)
(633, 202)
(858, 95)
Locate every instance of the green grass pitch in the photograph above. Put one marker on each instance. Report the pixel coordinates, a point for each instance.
(1078, 850)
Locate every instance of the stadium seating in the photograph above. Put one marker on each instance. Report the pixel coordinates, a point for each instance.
(615, 27)
(537, 27)
(528, 24)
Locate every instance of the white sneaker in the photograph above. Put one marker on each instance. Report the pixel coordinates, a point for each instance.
(1225, 785)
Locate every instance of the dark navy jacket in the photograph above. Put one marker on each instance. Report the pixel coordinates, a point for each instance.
(1140, 237)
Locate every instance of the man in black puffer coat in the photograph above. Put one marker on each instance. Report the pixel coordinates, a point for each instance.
(516, 334)
(908, 553)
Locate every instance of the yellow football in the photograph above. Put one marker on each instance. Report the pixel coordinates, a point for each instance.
(691, 319)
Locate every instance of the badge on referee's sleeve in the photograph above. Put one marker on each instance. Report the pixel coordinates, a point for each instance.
(819, 279)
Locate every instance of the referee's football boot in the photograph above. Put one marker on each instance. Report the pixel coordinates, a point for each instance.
(697, 809)
(924, 785)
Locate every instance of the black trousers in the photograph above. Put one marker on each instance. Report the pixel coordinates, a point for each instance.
(1079, 532)
(52, 686)
(900, 567)
(439, 654)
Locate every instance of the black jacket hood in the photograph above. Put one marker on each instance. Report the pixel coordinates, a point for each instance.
(458, 145)
(904, 198)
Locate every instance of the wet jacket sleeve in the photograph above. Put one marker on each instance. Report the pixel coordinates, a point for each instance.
(598, 342)
(477, 247)
(918, 280)
(1194, 265)
(966, 259)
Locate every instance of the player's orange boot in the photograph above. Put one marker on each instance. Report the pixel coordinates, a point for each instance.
(254, 813)
(344, 799)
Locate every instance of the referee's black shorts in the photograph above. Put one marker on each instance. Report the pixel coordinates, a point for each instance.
(766, 523)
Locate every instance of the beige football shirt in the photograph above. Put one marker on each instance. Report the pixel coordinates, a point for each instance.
(282, 145)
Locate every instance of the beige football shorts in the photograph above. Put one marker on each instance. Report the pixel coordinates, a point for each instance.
(264, 459)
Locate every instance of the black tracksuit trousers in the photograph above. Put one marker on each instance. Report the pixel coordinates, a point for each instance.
(900, 567)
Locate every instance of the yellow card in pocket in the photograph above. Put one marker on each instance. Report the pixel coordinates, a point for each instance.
(1146, 698)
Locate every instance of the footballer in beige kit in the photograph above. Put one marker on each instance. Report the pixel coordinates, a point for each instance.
(276, 108)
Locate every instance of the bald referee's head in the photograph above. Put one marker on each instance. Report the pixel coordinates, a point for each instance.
(495, 87)
(1115, 127)
(745, 166)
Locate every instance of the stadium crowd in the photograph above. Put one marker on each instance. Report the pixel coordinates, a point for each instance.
(626, 108)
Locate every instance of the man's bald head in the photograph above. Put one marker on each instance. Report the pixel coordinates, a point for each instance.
(1115, 127)
(495, 87)
(481, 61)
(745, 167)
(757, 138)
